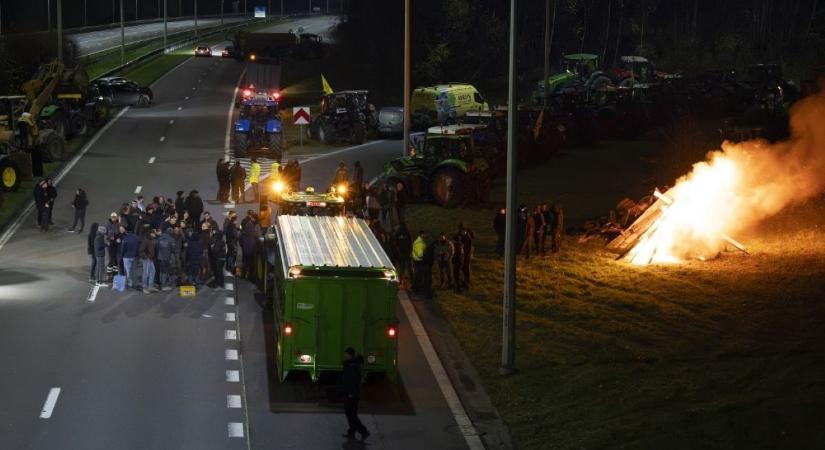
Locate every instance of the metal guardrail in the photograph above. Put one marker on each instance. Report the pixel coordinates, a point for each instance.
(176, 45)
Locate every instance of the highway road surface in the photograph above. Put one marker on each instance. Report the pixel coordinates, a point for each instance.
(99, 40)
(96, 369)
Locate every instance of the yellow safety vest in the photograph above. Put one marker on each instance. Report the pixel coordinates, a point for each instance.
(275, 169)
(254, 173)
(418, 249)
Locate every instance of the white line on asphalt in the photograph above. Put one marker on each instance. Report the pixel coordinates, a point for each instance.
(51, 400)
(233, 401)
(230, 335)
(229, 205)
(229, 317)
(230, 301)
(231, 355)
(162, 138)
(4, 238)
(233, 376)
(235, 429)
(228, 286)
(231, 113)
(93, 293)
(152, 160)
(138, 189)
(171, 121)
(465, 425)
(193, 88)
(186, 98)
(180, 108)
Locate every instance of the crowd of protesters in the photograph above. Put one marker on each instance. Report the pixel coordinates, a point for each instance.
(533, 228)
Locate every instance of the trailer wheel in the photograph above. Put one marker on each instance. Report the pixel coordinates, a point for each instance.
(241, 144)
(78, 125)
(449, 187)
(9, 175)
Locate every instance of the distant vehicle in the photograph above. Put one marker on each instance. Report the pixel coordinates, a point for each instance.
(259, 128)
(203, 50)
(228, 52)
(334, 286)
(444, 104)
(345, 116)
(579, 73)
(261, 79)
(633, 70)
(391, 121)
(277, 46)
(120, 91)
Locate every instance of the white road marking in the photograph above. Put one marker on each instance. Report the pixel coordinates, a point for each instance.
(228, 286)
(193, 88)
(51, 400)
(171, 121)
(231, 355)
(229, 317)
(138, 189)
(235, 429)
(465, 425)
(4, 238)
(229, 205)
(230, 335)
(180, 108)
(152, 160)
(162, 138)
(231, 113)
(93, 293)
(207, 316)
(230, 301)
(186, 98)
(233, 401)
(233, 376)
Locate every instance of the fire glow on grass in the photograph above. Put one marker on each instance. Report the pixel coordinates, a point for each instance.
(735, 188)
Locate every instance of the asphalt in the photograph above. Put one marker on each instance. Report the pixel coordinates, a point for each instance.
(99, 40)
(150, 371)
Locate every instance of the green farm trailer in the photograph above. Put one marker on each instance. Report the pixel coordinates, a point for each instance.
(334, 287)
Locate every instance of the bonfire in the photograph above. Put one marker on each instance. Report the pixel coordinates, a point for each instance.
(732, 190)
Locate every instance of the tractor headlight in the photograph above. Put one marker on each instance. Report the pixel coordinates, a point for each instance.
(341, 189)
(278, 187)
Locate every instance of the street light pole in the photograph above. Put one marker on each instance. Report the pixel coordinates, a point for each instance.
(546, 51)
(122, 36)
(49, 15)
(136, 10)
(60, 30)
(282, 9)
(165, 28)
(221, 13)
(508, 332)
(85, 15)
(196, 19)
(407, 114)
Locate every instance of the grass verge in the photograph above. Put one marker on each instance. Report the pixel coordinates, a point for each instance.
(722, 354)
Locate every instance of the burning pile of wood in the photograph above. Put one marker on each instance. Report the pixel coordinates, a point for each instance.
(617, 220)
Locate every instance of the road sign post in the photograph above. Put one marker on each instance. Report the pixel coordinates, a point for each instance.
(301, 117)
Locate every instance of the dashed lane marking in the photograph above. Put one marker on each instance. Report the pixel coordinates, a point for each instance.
(233, 401)
(235, 429)
(231, 355)
(51, 400)
(186, 98)
(180, 108)
(230, 335)
(229, 317)
(162, 138)
(171, 121)
(152, 160)
(230, 301)
(93, 293)
(138, 189)
(233, 376)
(229, 287)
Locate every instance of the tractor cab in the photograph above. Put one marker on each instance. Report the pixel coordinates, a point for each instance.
(580, 64)
(345, 117)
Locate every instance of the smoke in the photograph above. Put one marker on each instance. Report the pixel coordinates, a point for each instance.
(737, 187)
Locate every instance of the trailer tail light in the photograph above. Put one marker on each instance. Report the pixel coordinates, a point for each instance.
(288, 329)
(247, 93)
(391, 332)
(276, 95)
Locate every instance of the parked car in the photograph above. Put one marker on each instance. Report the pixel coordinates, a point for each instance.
(391, 121)
(119, 91)
(203, 50)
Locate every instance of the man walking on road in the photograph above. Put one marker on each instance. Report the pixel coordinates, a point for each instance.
(52, 192)
(255, 178)
(351, 379)
(41, 200)
(167, 251)
(222, 172)
(237, 179)
(99, 248)
(129, 251)
(79, 204)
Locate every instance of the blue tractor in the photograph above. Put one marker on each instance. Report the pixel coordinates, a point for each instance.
(258, 128)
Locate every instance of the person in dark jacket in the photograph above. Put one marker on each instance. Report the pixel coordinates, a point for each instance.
(500, 227)
(467, 238)
(231, 235)
(129, 253)
(90, 249)
(351, 379)
(237, 178)
(167, 254)
(112, 231)
(556, 227)
(41, 200)
(249, 246)
(541, 226)
(79, 204)
(222, 170)
(459, 283)
(401, 200)
(194, 257)
(51, 189)
(194, 205)
(217, 256)
(403, 244)
(100, 255)
(179, 199)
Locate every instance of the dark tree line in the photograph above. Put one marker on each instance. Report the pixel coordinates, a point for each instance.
(466, 40)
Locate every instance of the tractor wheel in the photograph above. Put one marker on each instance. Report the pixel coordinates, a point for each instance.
(241, 144)
(276, 146)
(53, 147)
(142, 101)
(9, 175)
(449, 187)
(358, 134)
(78, 125)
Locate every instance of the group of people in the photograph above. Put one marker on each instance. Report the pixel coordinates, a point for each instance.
(170, 242)
(232, 178)
(534, 226)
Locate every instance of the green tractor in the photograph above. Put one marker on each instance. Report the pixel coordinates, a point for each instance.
(580, 73)
(451, 166)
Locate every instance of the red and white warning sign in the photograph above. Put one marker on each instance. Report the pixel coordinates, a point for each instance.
(300, 115)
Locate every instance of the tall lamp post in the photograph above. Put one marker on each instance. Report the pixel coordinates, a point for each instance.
(122, 36)
(407, 114)
(60, 30)
(508, 334)
(165, 27)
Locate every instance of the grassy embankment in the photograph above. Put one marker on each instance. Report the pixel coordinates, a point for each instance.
(720, 354)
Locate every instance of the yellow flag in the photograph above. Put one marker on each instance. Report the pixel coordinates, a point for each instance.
(325, 85)
(537, 126)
